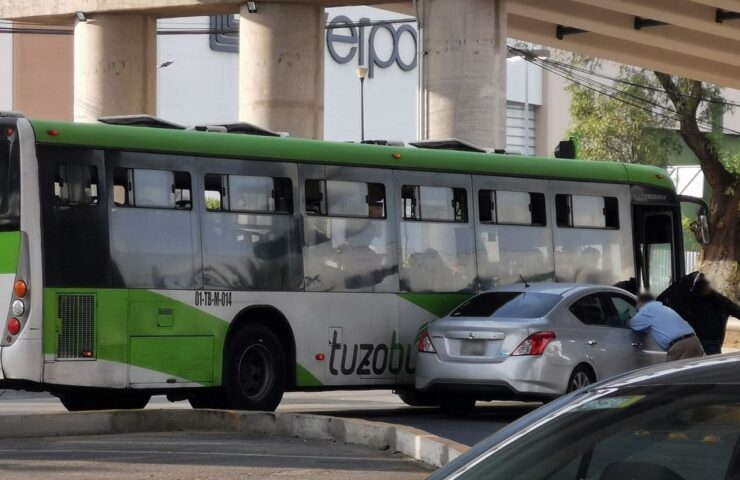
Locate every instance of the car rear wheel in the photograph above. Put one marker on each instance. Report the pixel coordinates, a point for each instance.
(581, 377)
(457, 406)
(413, 398)
(255, 369)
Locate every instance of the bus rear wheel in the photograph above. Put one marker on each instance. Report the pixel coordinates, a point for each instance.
(255, 369)
(80, 401)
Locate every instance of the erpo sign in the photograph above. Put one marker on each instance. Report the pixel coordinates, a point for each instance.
(342, 30)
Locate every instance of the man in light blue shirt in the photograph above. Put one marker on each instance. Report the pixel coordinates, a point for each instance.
(671, 332)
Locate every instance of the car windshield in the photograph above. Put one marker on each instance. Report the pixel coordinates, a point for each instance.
(647, 433)
(508, 305)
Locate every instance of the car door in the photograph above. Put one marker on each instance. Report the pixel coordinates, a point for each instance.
(608, 346)
(646, 350)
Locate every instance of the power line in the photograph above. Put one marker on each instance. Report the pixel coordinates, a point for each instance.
(524, 54)
(618, 95)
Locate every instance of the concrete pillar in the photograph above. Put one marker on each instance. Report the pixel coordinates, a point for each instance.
(465, 70)
(114, 66)
(281, 68)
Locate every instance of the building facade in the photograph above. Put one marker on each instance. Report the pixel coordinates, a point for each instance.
(197, 78)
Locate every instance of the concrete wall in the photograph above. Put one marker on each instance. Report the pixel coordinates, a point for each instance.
(6, 69)
(553, 117)
(42, 76)
(201, 85)
(390, 96)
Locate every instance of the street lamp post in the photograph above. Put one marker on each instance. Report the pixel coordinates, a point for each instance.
(513, 56)
(362, 74)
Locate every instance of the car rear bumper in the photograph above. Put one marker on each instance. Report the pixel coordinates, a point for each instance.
(514, 378)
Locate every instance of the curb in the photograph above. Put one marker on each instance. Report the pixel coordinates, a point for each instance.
(417, 444)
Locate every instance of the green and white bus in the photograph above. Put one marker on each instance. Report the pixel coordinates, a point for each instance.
(229, 268)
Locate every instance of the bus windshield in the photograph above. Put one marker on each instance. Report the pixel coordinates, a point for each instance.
(9, 186)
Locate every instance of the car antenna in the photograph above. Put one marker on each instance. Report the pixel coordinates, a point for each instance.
(524, 280)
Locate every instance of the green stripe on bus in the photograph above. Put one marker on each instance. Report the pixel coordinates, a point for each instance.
(153, 320)
(304, 378)
(320, 152)
(438, 304)
(10, 247)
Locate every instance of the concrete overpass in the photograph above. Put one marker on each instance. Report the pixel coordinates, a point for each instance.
(464, 43)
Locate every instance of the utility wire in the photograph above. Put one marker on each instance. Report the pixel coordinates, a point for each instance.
(610, 91)
(525, 54)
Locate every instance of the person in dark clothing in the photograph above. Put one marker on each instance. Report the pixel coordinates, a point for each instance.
(706, 310)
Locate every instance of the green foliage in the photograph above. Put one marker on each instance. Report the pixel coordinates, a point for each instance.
(689, 239)
(213, 203)
(622, 126)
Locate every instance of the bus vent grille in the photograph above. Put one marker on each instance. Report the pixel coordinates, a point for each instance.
(76, 326)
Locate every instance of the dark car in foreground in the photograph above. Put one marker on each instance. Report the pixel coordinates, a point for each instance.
(676, 421)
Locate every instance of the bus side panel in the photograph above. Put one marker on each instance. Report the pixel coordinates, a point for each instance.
(355, 332)
(85, 339)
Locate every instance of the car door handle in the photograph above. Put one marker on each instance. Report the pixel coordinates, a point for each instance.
(591, 342)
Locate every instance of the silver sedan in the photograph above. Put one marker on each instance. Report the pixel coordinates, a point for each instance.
(529, 341)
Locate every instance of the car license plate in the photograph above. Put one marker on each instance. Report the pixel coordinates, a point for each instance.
(473, 348)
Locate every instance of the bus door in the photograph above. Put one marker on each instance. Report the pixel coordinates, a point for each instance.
(350, 261)
(658, 261)
(663, 254)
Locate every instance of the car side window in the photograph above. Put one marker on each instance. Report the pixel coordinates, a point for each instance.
(624, 309)
(591, 310)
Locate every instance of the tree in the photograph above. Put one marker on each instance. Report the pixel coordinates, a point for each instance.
(624, 121)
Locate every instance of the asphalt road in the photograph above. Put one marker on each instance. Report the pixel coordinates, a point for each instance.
(202, 456)
(374, 405)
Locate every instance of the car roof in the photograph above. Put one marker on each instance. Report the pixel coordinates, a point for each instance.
(555, 288)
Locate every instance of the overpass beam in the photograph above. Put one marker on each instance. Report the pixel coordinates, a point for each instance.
(114, 66)
(281, 67)
(465, 70)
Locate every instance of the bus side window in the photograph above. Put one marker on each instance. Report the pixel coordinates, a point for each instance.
(123, 187)
(248, 194)
(587, 211)
(315, 197)
(503, 207)
(181, 189)
(215, 192)
(434, 204)
(152, 188)
(76, 185)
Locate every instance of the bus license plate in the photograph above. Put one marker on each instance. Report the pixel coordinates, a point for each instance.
(473, 348)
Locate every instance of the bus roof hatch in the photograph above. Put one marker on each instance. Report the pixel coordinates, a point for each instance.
(449, 144)
(140, 120)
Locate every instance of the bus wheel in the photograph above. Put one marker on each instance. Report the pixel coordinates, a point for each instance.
(79, 401)
(255, 369)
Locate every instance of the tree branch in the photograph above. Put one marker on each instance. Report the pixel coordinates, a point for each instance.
(686, 107)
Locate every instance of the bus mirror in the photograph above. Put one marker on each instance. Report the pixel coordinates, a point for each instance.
(701, 229)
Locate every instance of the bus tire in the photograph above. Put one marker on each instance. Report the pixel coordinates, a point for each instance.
(254, 369)
(81, 401)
